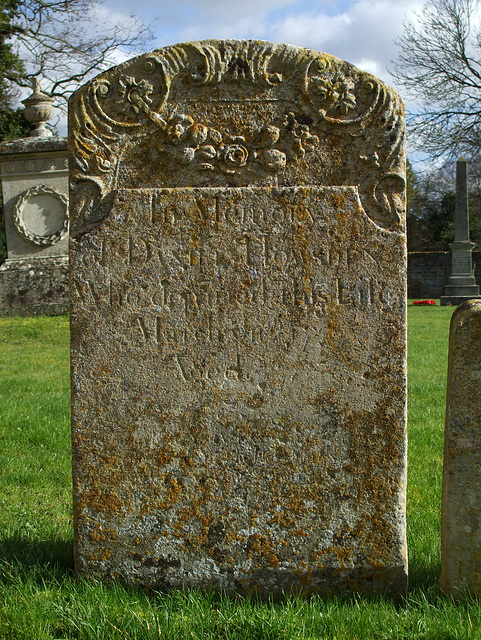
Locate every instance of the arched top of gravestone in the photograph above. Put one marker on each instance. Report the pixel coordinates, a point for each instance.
(237, 113)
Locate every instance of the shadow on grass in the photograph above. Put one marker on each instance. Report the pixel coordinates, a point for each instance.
(44, 558)
(424, 576)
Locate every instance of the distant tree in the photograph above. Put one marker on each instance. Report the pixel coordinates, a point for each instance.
(439, 65)
(431, 206)
(12, 122)
(430, 213)
(63, 42)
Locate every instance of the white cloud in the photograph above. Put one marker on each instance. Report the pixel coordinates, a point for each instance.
(360, 31)
(364, 34)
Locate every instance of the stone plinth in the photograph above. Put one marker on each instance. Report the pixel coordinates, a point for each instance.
(461, 287)
(461, 508)
(238, 322)
(34, 174)
(34, 287)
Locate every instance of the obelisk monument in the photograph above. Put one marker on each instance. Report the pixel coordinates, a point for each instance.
(461, 284)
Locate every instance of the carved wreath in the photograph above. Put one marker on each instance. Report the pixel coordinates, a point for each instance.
(19, 222)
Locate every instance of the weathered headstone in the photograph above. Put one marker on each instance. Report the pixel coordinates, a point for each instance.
(461, 285)
(238, 322)
(461, 509)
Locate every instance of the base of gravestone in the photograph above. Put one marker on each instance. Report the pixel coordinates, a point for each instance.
(34, 287)
(455, 300)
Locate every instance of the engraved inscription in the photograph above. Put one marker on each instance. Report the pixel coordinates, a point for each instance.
(201, 270)
(323, 270)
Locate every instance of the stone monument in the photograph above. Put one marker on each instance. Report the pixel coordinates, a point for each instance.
(34, 174)
(461, 286)
(238, 268)
(461, 510)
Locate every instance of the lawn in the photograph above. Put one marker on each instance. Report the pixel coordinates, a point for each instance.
(40, 597)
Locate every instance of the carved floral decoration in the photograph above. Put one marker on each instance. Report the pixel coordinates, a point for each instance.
(207, 149)
(113, 111)
(334, 96)
(135, 94)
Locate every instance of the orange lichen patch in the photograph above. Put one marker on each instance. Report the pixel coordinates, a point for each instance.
(96, 536)
(272, 561)
(299, 533)
(105, 553)
(104, 500)
(163, 457)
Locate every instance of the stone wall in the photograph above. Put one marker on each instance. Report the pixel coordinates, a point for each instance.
(428, 272)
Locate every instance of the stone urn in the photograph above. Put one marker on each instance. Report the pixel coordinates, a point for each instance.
(38, 110)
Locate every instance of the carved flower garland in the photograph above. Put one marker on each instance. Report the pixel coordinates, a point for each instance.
(207, 149)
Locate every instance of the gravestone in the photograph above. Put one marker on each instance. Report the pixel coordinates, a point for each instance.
(461, 512)
(238, 322)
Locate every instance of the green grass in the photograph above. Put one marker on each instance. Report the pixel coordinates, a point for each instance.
(41, 598)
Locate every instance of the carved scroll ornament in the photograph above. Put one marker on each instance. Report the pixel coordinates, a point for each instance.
(317, 98)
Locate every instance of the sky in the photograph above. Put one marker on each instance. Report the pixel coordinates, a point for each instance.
(359, 31)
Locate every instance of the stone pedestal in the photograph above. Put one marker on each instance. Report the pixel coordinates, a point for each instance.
(461, 285)
(34, 278)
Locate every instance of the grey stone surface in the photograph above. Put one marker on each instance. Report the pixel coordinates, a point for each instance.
(461, 285)
(33, 145)
(238, 322)
(34, 287)
(43, 213)
(461, 510)
(34, 175)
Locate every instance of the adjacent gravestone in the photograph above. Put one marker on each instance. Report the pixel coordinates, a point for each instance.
(461, 512)
(461, 285)
(238, 322)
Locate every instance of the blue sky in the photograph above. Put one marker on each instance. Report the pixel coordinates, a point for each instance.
(359, 31)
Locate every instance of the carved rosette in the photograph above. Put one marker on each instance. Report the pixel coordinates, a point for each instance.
(311, 100)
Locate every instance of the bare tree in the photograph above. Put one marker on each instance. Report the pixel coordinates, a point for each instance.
(439, 65)
(63, 42)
